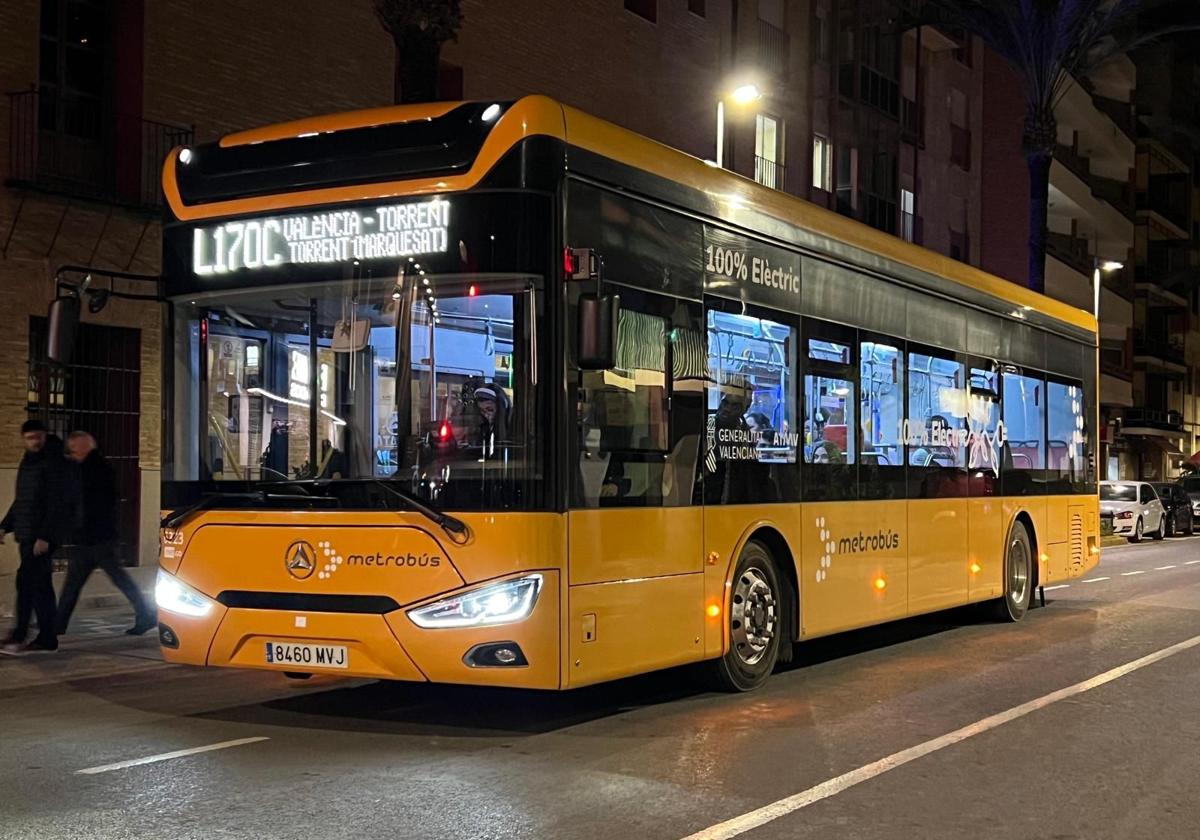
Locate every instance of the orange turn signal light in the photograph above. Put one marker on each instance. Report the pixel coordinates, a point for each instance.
(880, 584)
(976, 568)
(713, 610)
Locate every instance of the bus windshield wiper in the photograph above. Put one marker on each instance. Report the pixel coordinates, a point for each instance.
(177, 517)
(454, 527)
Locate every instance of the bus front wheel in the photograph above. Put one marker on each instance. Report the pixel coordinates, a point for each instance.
(1018, 575)
(755, 622)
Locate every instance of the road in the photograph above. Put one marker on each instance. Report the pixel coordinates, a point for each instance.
(938, 727)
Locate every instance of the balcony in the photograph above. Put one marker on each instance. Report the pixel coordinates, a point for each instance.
(1121, 113)
(864, 84)
(1165, 355)
(1167, 276)
(1071, 251)
(1163, 207)
(74, 146)
(772, 49)
(1152, 422)
(769, 173)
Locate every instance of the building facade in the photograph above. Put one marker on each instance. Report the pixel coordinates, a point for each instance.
(856, 109)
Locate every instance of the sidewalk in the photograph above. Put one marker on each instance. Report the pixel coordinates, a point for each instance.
(99, 592)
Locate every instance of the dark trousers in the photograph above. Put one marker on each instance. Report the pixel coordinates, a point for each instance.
(35, 594)
(86, 560)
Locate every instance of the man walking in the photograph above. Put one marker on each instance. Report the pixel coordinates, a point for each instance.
(96, 539)
(38, 517)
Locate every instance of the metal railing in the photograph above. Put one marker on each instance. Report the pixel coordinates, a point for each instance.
(1152, 418)
(769, 173)
(773, 48)
(1169, 196)
(75, 146)
(1071, 250)
(1168, 350)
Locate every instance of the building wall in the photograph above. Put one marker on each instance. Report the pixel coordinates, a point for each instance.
(1004, 239)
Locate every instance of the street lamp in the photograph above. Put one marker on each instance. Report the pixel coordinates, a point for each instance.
(1099, 265)
(740, 95)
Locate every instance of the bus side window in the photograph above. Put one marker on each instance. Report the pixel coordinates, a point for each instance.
(830, 403)
(639, 422)
(1024, 407)
(752, 431)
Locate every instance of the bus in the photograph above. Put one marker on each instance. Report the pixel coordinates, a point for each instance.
(500, 393)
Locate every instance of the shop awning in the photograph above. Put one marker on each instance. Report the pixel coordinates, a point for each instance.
(1195, 459)
(1168, 446)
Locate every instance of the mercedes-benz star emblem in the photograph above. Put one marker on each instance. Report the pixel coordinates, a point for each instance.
(300, 560)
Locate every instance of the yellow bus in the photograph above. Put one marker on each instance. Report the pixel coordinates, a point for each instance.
(504, 394)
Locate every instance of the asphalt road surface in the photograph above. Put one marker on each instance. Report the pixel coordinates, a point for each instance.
(1080, 722)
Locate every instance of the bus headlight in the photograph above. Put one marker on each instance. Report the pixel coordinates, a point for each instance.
(173, 595)
(496, 603)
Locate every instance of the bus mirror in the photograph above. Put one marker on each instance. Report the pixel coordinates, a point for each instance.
(64, 325)
(598, 316)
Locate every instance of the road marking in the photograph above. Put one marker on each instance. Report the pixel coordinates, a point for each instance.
(1127, 574)
(1094, 580)
(1191, 562)
(151, 759)
(1162, 568)
(831, 787)
(1059, 586)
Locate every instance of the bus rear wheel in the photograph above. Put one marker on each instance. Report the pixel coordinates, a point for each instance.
(755, 622)
(1018, 575)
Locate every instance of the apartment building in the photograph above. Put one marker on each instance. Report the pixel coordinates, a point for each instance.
(1164, 424)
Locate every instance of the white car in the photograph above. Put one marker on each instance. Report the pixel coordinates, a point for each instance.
(1133, 508)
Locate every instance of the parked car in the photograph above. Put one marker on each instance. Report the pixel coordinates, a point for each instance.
(1179, 509)
(1134, 509)
(1191, 486)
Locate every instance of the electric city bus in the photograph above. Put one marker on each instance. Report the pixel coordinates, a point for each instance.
(503, 394)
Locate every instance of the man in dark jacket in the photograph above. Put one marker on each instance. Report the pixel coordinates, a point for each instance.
(39, 518)
(96, 537)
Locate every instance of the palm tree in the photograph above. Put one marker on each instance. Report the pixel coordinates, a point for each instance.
(1050, 44)
(419, 28)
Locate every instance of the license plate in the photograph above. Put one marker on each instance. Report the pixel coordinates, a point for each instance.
(306, 655)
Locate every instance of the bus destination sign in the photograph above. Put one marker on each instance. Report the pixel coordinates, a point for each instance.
(332, 236)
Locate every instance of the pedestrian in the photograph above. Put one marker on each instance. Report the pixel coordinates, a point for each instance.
(38, 517)
(96, 536)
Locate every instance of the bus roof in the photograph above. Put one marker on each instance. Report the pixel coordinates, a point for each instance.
(539, 115)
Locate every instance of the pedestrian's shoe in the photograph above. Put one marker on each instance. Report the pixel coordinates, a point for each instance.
(12, 648)
(142, 627)
(41, 646)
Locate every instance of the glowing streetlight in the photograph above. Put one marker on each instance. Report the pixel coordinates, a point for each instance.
(741, 95)
(1099, 265)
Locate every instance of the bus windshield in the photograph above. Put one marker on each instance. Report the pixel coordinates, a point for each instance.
(426, 381)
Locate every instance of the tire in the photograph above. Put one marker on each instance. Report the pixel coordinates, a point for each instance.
(1018, 576)
(1191, 525)
(755, 619)
(1161, 533)
(297, 675)
(1168, 528)
(1138, 532)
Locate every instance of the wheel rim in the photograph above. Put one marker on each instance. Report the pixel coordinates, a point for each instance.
(1018, 571)
(753, 616)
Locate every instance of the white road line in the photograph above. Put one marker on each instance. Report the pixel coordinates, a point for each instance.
(1191, 562)
(1059, 586)
(151, 759)
(1127, 574)
(1162, 568)
(1094, 580)
(831, 787)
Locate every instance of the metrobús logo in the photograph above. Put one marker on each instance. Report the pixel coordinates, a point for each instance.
(398, 560)
(332, 560)
(864, 542)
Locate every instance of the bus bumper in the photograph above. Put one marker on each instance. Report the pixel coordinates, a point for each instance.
(387, 646)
